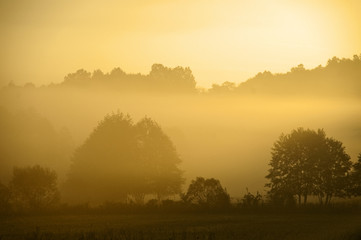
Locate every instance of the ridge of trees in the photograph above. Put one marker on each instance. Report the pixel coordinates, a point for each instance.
(160, 78)
(338, 77)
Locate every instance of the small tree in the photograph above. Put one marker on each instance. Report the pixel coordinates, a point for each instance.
(250, 200)
(34, 188)
(208, 193)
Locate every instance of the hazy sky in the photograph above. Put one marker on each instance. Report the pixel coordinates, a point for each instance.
(220, 40)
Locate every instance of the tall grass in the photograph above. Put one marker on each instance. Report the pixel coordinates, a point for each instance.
(183, 226)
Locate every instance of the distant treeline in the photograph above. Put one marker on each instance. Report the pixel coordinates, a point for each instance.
(340, 77)
(160, 78)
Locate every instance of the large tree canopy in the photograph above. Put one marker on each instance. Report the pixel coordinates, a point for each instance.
(160, 159)
(306, 162)
(122, 160)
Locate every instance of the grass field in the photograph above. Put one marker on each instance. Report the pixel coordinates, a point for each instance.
(187, 226)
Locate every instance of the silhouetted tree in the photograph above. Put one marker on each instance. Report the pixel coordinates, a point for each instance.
(160, 159)
(355, 188)
(207, 192)
(34, 188)
(305, 163)
(250, 200)
(103, 165)
(4, 199)
(333, 172)
(121, 160)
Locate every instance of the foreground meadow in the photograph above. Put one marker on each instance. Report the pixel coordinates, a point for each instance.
(183, 226)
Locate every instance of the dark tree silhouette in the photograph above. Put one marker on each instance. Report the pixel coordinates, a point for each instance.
(4, 199)
(34, 188)
(160, 159)
(251, 200)
(306, 163)
(101, 168)
(207, 192)
(333, 172)
(122, 160)
(356, 177)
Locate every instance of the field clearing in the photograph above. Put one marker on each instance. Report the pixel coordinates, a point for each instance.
(186, 226)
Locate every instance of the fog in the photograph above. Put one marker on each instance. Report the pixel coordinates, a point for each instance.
(180, 119)
(226, 136)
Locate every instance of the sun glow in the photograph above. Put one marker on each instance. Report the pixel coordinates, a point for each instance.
(219, 40)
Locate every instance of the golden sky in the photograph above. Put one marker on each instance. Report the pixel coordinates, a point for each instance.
(220, 40)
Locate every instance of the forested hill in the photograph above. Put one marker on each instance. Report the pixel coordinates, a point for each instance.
(339, 77)
(159, 79)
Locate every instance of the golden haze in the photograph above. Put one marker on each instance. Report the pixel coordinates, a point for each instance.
(220, 40)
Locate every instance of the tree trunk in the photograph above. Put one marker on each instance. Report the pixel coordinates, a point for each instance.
(328, 199)
(305, 199)
(320, 198)
(299, 199)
